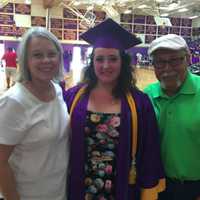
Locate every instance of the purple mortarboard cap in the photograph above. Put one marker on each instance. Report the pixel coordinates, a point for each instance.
(109, 34)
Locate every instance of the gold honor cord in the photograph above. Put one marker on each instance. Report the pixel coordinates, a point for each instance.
(134, 132)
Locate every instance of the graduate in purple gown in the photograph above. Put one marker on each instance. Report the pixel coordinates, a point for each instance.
(115, 153)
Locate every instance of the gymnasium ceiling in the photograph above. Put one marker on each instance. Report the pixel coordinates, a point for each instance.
(164, 8)
(177, 8)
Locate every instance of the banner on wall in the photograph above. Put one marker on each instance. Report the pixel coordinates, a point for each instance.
(24, 9)
(6, 19)
(175, 21)
(68, 14)
(151, 30)
(57, 33)
(186, 22)
(6, 31)
(70, 24)
(70, 35)
(38, 21)
(175, 30)
(127, 18)
(186, 31)
(56, 23)
(8, 8)
(139, 19)
(150, 20)
(19, 31)
(138, 28)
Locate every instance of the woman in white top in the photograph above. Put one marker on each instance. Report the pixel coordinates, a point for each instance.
(34, 124)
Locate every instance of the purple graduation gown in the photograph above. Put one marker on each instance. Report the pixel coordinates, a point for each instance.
(148, 163)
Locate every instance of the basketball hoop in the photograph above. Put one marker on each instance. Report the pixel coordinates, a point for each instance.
(88, 20)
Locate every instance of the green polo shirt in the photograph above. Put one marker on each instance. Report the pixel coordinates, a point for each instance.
(179, 122)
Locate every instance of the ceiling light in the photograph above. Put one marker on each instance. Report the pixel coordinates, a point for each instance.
(100, 2)
(160, 1)
(193, 17)
(172, 5)
(122, 4)
(91, 7)
(27, 1)
(164, 15)
(128, 11)
(76, 3)
(142, 6)
(183, 10)
(163, 8)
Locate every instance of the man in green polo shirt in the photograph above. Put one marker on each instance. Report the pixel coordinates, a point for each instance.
(176, 100)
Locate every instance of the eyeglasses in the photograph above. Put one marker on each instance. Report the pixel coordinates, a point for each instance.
(174, 62)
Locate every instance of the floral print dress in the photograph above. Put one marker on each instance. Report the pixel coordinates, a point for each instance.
(101, 140)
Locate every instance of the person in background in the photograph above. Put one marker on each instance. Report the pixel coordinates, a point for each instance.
(114, 144)
(176, 98)
(10, 58)
(34, 123)
(67, 56)
(139, 58)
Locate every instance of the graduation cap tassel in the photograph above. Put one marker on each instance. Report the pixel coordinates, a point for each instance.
(132, 173)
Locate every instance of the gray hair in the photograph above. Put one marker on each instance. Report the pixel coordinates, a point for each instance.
(24, 74)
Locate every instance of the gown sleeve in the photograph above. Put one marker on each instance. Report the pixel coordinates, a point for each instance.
(150, 172)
